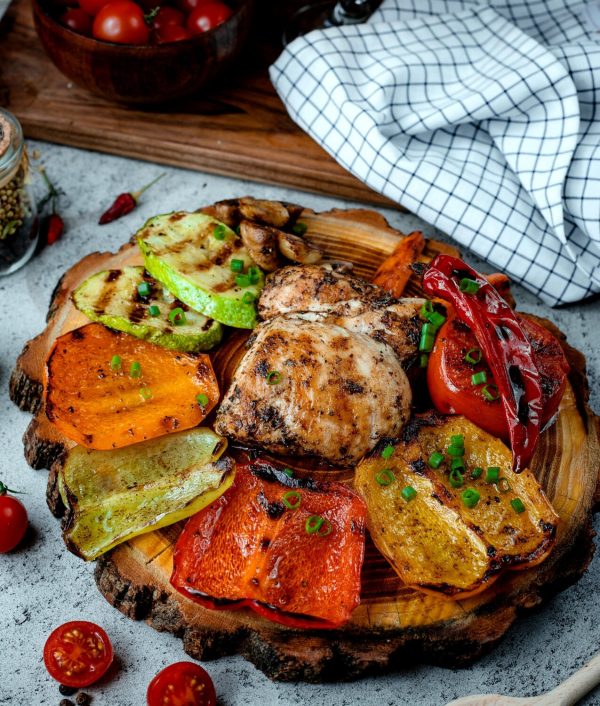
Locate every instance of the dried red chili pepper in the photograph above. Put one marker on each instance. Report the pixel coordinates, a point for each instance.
(55, 227)
(125, 203)
(506, 348)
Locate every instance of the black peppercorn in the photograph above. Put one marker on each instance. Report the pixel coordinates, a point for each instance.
(83, 699)
(67, 690)
(66, 702)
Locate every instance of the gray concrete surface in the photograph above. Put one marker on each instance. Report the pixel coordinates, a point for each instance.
(42, 585)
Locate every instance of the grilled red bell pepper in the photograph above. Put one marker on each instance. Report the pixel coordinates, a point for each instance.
(289, 549)
(505, 346)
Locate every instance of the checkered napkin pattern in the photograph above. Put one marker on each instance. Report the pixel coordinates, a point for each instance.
(481, 117)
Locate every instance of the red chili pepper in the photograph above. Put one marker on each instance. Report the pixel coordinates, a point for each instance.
(55, 227)
(125, 203)
(505, 347)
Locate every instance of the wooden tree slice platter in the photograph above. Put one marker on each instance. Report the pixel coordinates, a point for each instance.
(394, 625)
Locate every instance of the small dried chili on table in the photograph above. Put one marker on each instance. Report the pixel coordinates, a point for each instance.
(125, 203)
(505, 346)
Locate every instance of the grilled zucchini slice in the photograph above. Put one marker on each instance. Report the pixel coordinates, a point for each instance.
(204, 264)
(112, 297)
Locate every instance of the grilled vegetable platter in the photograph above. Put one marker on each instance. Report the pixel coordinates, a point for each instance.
(308, 439)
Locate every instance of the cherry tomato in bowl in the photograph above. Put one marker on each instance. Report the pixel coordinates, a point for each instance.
(78, 653)
(207, 16)
(167, 16)
(182, 684)
(13, 520)
(78, 20)
(450, 383)
(92, 7)
(121, 22)
(172, 33)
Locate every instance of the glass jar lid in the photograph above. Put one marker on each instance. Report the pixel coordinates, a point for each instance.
(11, 146)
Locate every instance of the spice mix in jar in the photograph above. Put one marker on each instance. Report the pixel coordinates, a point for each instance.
(18, 215)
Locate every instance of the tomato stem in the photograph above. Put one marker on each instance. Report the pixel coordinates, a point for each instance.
(4, 489)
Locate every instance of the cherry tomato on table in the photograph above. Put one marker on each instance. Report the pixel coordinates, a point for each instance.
(122, 22)
(167, 17)
(92, 7)
(172, 33)
(13, 520)
(182, 684)
(208, 16)
(78, 653)
(77, 20)
(449, 375)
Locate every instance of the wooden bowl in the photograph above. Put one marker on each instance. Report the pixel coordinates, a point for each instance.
(146, 74)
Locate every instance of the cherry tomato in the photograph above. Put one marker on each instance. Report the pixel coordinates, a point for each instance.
(182, 684)
(122, 22)
(78, 653)
(449, 375)
(172, 33)
(92, 7)
(188, 6)
(208, 16)
(78, 20)
(13, 520)
(167, 17)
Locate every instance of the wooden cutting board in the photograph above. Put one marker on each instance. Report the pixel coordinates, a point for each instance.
(240, 129)
(394, 625)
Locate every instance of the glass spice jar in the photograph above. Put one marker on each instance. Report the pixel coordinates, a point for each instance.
(19, 223)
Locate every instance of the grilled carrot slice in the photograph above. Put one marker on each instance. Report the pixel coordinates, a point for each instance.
(105, 389)
(394, 272)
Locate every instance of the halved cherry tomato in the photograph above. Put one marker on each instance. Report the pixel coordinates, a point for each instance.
(13, 520)
(449, 375)
(166, 17)
(78, 653)
(182, 684)
(77, 20)
(208, 16)
(92, 7)
(172, 33)
(122, 22)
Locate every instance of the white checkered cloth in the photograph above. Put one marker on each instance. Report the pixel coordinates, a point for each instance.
(482, 118)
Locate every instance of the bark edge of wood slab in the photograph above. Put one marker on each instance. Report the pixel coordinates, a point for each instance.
(394, 626)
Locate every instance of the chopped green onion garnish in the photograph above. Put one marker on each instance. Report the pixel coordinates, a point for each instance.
(436, 459)
(237, 265)
(115, 362)
(474, 356)
(153, 310)
(248, 298)
(292, 499)
(237, 230)
(315, 524)
(503, 485)
(429, 330)
(455, 450)
(144, 289)
(436, 319)
(242, 280)
(388, 452)
(274, 377)
(202, 399)
(470, 497)
(254, 274)
(517, 505)
(479, 378)
(177, 316)
(288, 472)
(457, 440)
(457, 464)
(423, 360)
(468, 285)
(456, 478)
(145, 393)
(426, 342)
(219, 232)
(477, 472)
(492, 475)
(299, 228)
(408, 493)
(490, 392)
(385, 477)
(427, 309)
(136, 370)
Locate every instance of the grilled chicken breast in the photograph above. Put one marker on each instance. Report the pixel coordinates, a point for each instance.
(319, 293)
(315, 388)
